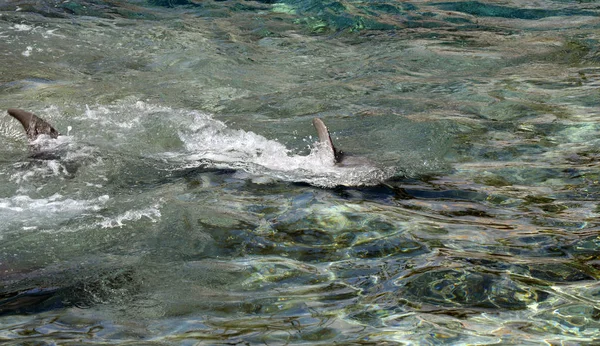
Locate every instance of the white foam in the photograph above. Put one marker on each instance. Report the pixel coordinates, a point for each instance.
(53, 204)
(46, 168)
(48, 143)
(27, 51)
(64, 148)
(152, 213)
(51, 32)
(30, 213)
(22, 27)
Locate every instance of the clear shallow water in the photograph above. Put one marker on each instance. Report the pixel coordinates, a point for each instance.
(188, 204)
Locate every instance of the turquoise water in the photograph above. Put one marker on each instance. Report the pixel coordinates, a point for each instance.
(188, 204)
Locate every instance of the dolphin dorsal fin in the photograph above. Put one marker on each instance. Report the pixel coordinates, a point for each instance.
(325, 138)
(33, 125)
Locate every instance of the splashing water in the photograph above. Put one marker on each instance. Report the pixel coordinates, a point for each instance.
(211, 141)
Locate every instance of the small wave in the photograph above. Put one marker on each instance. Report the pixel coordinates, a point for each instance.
(30, 213)
(152, 213)
(45, 168)
(10, 131)
(22, 27)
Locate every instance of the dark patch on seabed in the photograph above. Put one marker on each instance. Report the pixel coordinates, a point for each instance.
(169, 214)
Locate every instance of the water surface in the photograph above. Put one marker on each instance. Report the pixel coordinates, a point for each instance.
(188, 204)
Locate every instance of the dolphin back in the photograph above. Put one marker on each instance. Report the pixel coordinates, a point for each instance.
(33, 125)
(325, 138)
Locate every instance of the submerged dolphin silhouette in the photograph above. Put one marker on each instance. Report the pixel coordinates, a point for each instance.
(33, 125)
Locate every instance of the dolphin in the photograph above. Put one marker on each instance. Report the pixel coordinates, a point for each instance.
(34, 126)
(325, 140)
(339, 157)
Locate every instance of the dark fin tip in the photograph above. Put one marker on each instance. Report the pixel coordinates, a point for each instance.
(33, 125)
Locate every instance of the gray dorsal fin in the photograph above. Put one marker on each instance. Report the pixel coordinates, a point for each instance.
(325, 138)
(33, 125)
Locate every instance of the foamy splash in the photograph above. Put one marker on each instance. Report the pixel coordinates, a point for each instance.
(30, 213)
(209, 141)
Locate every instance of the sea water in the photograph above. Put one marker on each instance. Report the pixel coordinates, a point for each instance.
(189, 203)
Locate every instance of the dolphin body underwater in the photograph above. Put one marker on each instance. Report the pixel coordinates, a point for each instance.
(35, 126)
